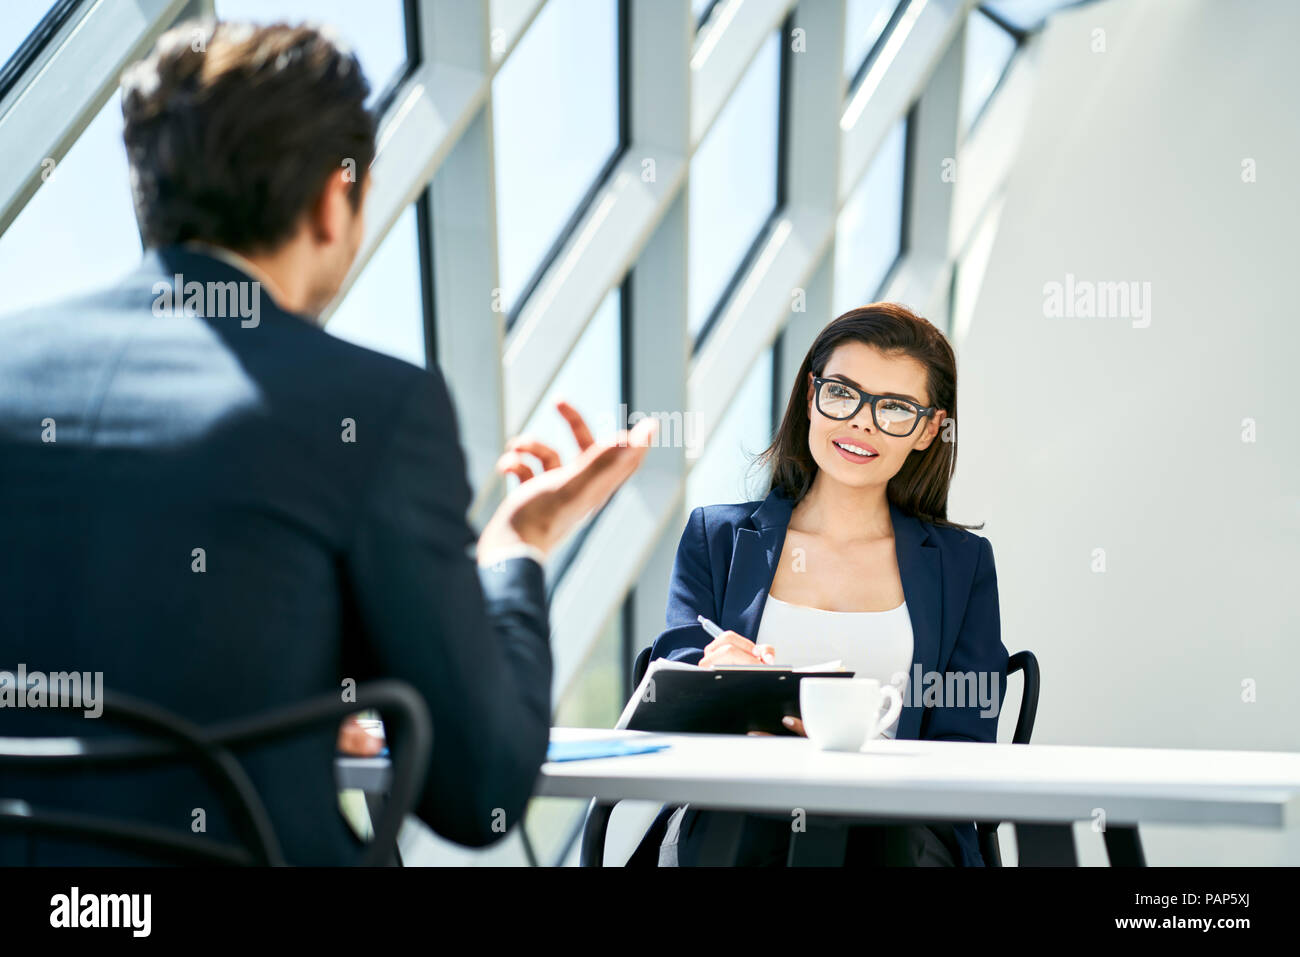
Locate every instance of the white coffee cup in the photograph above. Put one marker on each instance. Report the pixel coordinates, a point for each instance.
(843, 714)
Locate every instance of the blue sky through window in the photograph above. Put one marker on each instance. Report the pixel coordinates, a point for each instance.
(78, 231)
(384, 308)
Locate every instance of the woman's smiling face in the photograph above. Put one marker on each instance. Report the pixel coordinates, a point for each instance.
(866, 368)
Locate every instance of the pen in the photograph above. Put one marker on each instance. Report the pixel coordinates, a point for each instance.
(714, 631)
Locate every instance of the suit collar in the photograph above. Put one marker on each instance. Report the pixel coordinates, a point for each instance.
(195, 263)
(757, 550)
(775, 510)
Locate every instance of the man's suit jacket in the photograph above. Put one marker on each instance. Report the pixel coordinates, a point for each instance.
(129, 440)
(726, 562)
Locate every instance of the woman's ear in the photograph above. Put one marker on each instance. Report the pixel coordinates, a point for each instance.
(932, 427)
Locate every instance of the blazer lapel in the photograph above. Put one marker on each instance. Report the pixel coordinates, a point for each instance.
(753, 565)
(921, 569)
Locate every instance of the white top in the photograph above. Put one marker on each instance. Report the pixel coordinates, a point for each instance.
(872, 644)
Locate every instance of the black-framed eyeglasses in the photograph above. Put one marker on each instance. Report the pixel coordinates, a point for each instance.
(892, 414)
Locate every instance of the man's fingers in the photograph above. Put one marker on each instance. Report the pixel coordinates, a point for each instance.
(526, 444)
(577, 425)
(512, 463)
(599, 471)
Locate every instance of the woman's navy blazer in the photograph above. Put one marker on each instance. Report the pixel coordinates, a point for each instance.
(727, 559)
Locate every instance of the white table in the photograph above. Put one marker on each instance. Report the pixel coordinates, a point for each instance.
(1042, 789)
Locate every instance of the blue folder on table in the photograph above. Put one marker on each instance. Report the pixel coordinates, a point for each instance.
(599, 748)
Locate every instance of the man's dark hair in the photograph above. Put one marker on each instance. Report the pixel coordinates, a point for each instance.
(232, 131)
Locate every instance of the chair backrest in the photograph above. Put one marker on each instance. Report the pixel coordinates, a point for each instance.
(165, 738)
(639, 667)
(990, 848)
(1026, 662)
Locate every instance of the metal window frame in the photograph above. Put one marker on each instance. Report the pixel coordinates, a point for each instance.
(35, 43)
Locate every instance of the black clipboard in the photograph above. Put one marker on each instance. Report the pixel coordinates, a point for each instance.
(719, 700)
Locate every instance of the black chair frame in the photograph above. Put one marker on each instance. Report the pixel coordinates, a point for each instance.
(164, 737)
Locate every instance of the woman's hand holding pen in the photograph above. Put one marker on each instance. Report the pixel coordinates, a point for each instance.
(730, 648)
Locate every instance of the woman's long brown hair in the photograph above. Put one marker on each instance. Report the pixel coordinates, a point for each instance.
(920, 488)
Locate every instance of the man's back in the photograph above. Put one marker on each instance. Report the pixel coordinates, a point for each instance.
(209, 512)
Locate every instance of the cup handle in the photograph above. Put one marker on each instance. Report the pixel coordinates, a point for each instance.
(895, 709)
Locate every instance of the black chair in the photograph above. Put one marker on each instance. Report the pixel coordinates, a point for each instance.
(162, 737)
(597, 823)
(990, 847)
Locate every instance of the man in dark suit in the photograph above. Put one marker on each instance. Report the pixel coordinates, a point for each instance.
(223, 509)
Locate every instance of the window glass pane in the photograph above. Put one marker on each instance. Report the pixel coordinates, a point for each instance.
(868, 236)
(556, 124)
(595, 699)
(20, 19)
(726, 470)
(733, 183)
(591, 381)
(989, 49)
(864, 22)
(78, 231)
(384, 309)
(376, 30)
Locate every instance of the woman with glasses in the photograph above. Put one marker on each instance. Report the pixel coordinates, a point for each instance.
(851, 556)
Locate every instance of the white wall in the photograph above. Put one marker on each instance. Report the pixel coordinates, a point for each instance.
(1090, 433)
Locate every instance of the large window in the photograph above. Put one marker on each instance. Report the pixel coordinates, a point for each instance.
(555, 113)
(869, 233)
(384, 309)
(733, 184)
(78, 232)
(989, 50)
(375, 30)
